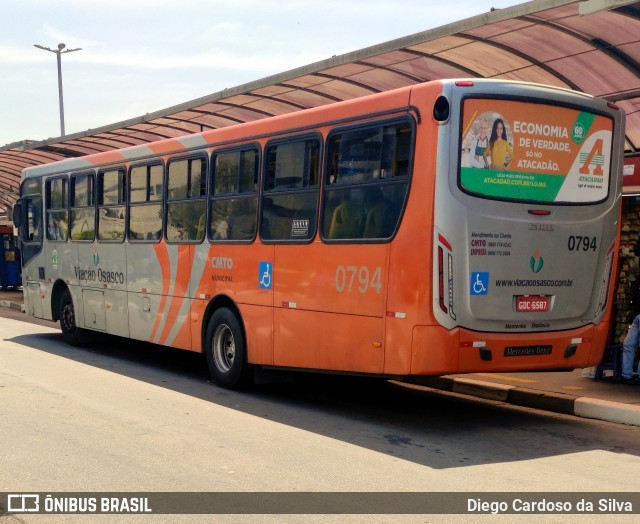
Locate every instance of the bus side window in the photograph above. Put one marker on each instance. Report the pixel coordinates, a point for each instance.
(366, 181)
(56, 209)
(111, 205)
(186, 204)
(146, 188)
(290, 202)
(234, 200)
(82, 205)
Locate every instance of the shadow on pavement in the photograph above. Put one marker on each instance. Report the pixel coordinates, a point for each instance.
(411, 424)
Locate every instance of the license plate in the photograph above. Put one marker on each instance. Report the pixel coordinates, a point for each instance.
(532, 303)
(526, 351)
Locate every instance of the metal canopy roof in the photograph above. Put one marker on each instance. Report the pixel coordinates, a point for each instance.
(544, 41)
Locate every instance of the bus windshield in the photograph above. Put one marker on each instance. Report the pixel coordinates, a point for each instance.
(534, 152)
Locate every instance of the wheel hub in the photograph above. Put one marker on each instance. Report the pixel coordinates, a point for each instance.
(224, 348)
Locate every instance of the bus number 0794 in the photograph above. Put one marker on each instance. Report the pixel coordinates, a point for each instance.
(580, 243)
(346, 279)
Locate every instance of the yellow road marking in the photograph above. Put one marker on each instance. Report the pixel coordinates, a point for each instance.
(504, 377)
(576, 388)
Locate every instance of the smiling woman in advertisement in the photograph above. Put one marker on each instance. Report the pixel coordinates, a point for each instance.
(499, 148)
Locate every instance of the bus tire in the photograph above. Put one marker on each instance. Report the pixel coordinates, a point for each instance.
(226, 350)
(71, 333)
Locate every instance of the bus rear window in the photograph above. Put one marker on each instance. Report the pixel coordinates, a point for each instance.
(534, 152)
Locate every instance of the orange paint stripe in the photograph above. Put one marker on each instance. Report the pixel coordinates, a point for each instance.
(204, 286)
(165, 266)
(179, 291)
(183, 338)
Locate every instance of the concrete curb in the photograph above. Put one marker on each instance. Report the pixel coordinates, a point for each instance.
(12, 305)
(606, 410)
(564, 403)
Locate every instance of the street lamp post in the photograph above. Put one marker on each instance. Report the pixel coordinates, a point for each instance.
(58, 53)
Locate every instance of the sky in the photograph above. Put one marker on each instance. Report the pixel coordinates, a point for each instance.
(140, 56)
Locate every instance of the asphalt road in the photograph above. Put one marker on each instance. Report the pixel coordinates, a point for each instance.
(127, 416)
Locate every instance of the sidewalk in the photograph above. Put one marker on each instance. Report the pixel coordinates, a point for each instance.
(565, 392)
(561, 392)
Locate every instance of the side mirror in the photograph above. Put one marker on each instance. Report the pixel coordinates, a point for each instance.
(17, 214)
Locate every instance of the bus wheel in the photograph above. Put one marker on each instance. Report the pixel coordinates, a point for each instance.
(226, 350)
(70, 331)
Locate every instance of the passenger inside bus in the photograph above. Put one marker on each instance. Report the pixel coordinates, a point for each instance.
(34, 222)
(242, 219)
(56, 229)
(348, 218)
(200, 228)
(374, 205)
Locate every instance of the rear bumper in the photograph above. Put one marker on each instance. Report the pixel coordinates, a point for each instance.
(437, 351)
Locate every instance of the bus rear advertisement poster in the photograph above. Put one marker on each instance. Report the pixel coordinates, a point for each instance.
(535, 152)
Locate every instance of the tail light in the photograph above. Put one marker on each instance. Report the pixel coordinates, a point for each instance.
(445, 277)
(443, 307)
(451, 313)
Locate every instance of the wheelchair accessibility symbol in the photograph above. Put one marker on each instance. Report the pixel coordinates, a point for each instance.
(265, 275)
(479, 283)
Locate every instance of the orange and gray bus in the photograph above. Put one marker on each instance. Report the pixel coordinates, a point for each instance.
(448, 227)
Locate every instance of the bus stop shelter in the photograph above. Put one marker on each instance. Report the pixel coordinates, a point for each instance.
(591, 46)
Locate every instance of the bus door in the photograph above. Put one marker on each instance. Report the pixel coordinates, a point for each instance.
(28, 219)
(60, 255)
(101, 250)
